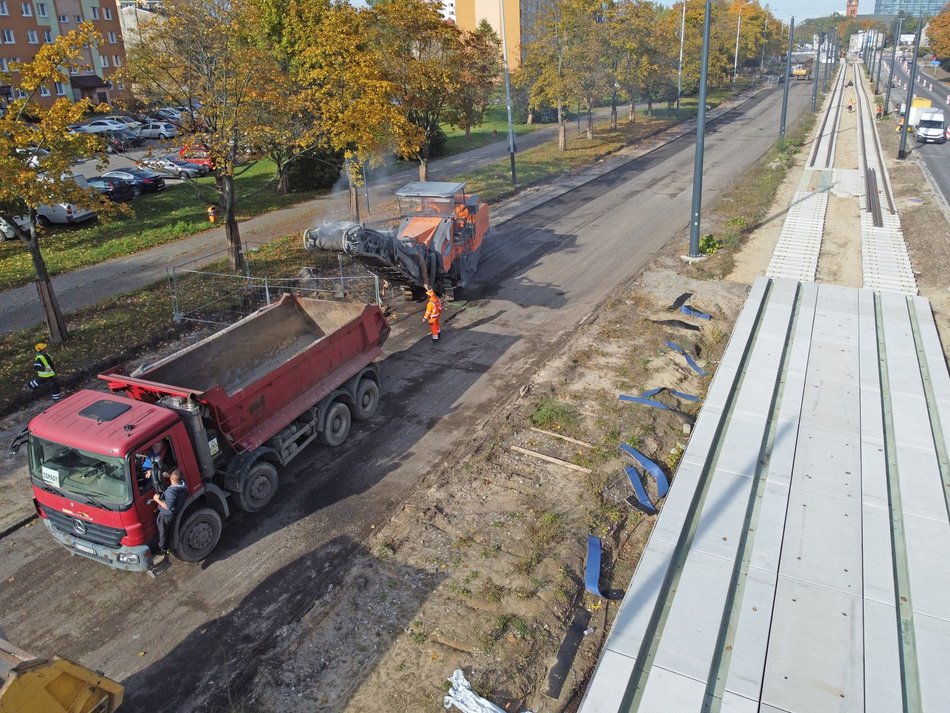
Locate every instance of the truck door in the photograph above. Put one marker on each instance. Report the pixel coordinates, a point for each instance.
(150, 471)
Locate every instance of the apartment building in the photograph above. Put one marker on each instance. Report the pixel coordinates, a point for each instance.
(927, 8)
(520, 18)
(26, 26)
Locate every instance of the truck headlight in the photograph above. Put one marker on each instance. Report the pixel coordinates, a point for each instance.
(128, 558)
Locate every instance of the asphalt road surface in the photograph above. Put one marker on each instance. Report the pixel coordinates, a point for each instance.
(935, 156)
(179, 641)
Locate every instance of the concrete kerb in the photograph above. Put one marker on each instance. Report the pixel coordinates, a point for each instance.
(16, 506)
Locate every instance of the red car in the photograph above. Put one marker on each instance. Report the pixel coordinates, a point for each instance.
(198, 155)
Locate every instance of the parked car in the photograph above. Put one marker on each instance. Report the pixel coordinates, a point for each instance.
(196, 154)
(63, 213)
(159, 130)
(142, 179)
(130, 123)
(114, 188)
(172, 165)
(6, 230)
(168, 113)
(34, 155)
(100, 126)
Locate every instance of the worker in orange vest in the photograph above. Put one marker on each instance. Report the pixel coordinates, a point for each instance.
(433, 312)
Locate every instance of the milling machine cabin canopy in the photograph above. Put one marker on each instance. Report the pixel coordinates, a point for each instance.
(436, 243)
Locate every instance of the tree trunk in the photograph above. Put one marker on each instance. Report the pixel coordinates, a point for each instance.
(561, 129)
(468, 133)
(649, 105)
(613, 111)
(283, 178)
(54, 317)
(231, 230)
(633, 111)
(423, 169)
(354, 204)
(530, 120)
(590, 120)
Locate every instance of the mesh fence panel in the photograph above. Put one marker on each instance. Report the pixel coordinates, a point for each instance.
(222, 298)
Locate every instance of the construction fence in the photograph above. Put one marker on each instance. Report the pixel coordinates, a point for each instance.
(217, 298)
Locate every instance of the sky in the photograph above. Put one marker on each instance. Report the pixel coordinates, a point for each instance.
(805, 9)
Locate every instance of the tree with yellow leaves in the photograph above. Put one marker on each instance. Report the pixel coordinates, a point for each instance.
(205, 55)
(27, 181)
(939, 34)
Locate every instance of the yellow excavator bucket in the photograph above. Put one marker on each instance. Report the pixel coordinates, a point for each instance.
(31, 684)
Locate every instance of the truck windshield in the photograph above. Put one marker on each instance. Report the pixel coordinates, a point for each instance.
(426, 205)
(930, 124)
(91, 477)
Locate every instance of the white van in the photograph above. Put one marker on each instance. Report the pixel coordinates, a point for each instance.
(931, 126)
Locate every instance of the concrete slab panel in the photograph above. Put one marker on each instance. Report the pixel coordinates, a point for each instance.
(669, 691)
(882, 667)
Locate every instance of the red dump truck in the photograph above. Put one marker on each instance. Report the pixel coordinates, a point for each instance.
(228, 412)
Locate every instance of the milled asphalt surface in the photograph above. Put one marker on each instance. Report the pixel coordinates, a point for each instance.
(20, 308)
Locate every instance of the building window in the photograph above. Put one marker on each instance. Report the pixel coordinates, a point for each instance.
(8, 37)
(31, 37)
(64, 18)
(47, 36)
(95, 13)
(41, 9)
(107, 13)
(44, 91)
(4, 64)
(112, 39)
(116, 60)
(27, 9)
(121, 87)
(20, 94)
(60, 89)
(103, 60)
(78, 18)
(4, 9)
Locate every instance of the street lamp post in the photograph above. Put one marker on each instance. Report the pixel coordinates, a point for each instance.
(511, 129)
(679, 75)
(765, 34)
(697, 205)
(735, 63)
(890, 74)
(902, 151)
(788, 76)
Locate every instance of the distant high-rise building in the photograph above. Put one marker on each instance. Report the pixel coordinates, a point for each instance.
(519, 21)
(852, 10)
(908, 7)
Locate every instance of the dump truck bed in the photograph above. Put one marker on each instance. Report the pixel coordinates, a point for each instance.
(261, 373)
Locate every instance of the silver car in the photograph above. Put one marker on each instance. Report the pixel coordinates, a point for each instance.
(158, 130)
(100, 126)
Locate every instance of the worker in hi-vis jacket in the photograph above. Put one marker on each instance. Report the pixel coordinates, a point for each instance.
(432, 314)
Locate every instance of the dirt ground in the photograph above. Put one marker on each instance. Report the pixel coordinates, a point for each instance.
(486, 560)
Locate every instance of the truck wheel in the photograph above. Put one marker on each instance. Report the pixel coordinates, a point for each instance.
(337, 426)
(259, 487)
(199, 535)
(367, 400)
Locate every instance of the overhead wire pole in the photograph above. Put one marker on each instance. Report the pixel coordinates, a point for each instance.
(735, 63)
(880, 64)
(890, 74)
(788, 76)
(697, 206)
(828, 47)
(511, 130)
(679, 73)
(814, 80)
(902, 152)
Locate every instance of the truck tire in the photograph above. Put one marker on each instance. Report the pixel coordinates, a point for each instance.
(258, 487)
(199, 535)
(367, 400)
(337, 425)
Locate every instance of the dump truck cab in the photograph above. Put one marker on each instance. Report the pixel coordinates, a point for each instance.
(88, 466)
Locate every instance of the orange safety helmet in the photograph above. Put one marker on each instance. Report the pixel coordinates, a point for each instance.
(431, 293)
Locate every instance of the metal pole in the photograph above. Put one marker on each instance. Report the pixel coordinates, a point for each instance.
(814, 79)
(735, 62)
(828, 47)
(700, 139)
(880, 64)
(788, 76)
(765, 33)
(890, 74)
(679, 75)
(902, 153)
(511, 130)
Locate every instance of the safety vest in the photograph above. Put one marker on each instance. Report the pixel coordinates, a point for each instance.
(433, 309)
(46, 368)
